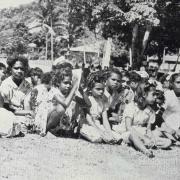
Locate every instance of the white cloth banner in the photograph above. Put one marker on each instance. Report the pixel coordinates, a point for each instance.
(107, 53)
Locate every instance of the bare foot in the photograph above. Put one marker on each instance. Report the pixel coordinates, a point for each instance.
(149, 153)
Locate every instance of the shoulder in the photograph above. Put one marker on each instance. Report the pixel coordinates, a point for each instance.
(54, 90)
(7, 81)
(130, 109)
(170, 95)
(6, 85)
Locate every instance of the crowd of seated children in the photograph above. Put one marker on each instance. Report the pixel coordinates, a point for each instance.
(108, 106)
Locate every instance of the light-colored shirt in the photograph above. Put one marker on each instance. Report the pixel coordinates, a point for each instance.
(171, 114)
(98, 106)
(140, 117)
(12, 94)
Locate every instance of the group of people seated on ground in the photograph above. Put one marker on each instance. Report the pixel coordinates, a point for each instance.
(105, 106)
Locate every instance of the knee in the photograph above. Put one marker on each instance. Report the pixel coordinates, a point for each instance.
(167, 143)
(60, 109)
(157, 133)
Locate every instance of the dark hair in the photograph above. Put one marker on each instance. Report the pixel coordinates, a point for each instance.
(173, 77)
(36, 72)
(46, 78)
(115, 71)
(93, 78)
(59, 76)
(162, 79)
(13, 59)
(61, 66)
(125, 73)
(141, 91)
(134, 77)
(2, 65)
(63, 52)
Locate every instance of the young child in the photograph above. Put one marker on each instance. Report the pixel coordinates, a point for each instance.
(2, 72)
(134, 81)
(138, 119)
(55, 113)
(97, 128)
(35, 76)
(114, 94)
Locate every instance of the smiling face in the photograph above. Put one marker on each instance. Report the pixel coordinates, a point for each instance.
(18, 71)
(65, 85)
(98, 90)
(113, 82)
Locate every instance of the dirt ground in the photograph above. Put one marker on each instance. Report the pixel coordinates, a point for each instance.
(48, 158)
(35, 158)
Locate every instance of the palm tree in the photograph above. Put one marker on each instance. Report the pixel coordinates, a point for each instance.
(52, 14)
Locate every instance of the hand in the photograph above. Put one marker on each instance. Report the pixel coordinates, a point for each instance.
(108, 137)
(114, 118)
(75, 82)
(81, 90)
(31, 114)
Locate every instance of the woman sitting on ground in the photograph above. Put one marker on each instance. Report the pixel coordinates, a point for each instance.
(14, 88)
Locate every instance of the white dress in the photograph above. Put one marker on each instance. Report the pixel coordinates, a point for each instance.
(172, 110)
(140, 120)
(8, 127)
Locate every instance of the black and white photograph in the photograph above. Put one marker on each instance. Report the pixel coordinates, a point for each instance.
(89, 89)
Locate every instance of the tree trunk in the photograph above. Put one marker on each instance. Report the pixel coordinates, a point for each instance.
(146, 38)
(52, 48)
(46, 46)
(174, 69)
(134, 37)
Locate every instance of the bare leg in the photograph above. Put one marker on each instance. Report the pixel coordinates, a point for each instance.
(54, 117)
(163, 143)
(137, 142)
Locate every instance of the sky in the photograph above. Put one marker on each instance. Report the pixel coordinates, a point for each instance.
(13, 3)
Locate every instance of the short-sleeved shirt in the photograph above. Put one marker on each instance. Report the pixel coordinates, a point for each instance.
(12, 94)
(140, 117)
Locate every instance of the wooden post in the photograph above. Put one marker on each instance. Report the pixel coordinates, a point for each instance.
(130, 57)
(107, 53)
(84, 52)
(52, 47)
(46, 46)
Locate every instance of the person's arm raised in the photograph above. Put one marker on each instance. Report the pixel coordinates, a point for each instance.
(66, 102)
